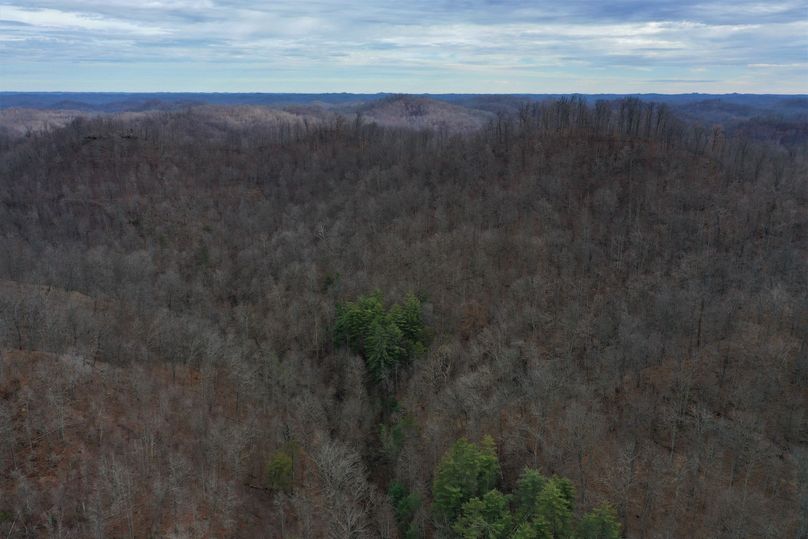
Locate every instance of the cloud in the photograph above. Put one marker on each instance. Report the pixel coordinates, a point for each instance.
(46, 19)
(434, 45)
(683, 81)
(803, 65)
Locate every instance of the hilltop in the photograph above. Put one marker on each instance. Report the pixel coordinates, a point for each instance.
(423, 113)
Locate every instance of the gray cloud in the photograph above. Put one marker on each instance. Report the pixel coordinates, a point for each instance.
(680, 81)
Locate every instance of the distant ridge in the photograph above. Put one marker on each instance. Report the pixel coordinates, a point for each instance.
(138, 101)
(424, 113)
(781, 118)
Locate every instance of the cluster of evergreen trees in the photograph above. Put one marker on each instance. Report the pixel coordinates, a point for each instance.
(467, 501)
(385, 338)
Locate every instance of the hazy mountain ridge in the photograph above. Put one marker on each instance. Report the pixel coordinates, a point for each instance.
(117, 102)
(781, 119)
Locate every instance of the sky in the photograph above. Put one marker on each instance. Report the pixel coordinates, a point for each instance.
(413, 46)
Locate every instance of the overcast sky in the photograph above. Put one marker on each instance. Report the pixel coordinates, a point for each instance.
(587, 46)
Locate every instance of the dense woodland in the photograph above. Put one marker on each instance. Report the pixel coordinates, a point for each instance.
(579, 321)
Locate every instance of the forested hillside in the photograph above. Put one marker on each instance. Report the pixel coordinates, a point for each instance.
(576, 321)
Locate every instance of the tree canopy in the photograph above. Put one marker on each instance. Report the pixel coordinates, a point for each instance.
(385, 338)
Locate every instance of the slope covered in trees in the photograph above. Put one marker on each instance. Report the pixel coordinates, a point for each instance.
(281, 329)
(423, 113)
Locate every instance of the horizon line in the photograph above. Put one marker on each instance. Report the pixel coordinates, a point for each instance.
(178, 92)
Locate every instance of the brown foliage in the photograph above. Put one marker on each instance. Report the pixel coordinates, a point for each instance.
(616, 296)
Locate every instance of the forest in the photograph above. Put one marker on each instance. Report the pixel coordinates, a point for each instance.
(581, 320)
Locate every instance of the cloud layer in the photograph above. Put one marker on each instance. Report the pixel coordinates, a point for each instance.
(415, 46)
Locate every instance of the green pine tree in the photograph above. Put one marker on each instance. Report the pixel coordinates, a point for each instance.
(279, 472)
(405, 504)
(465, 471)
(553, 509)
(485, 518)
(600, 523)
(528, 487)
(383, 349)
